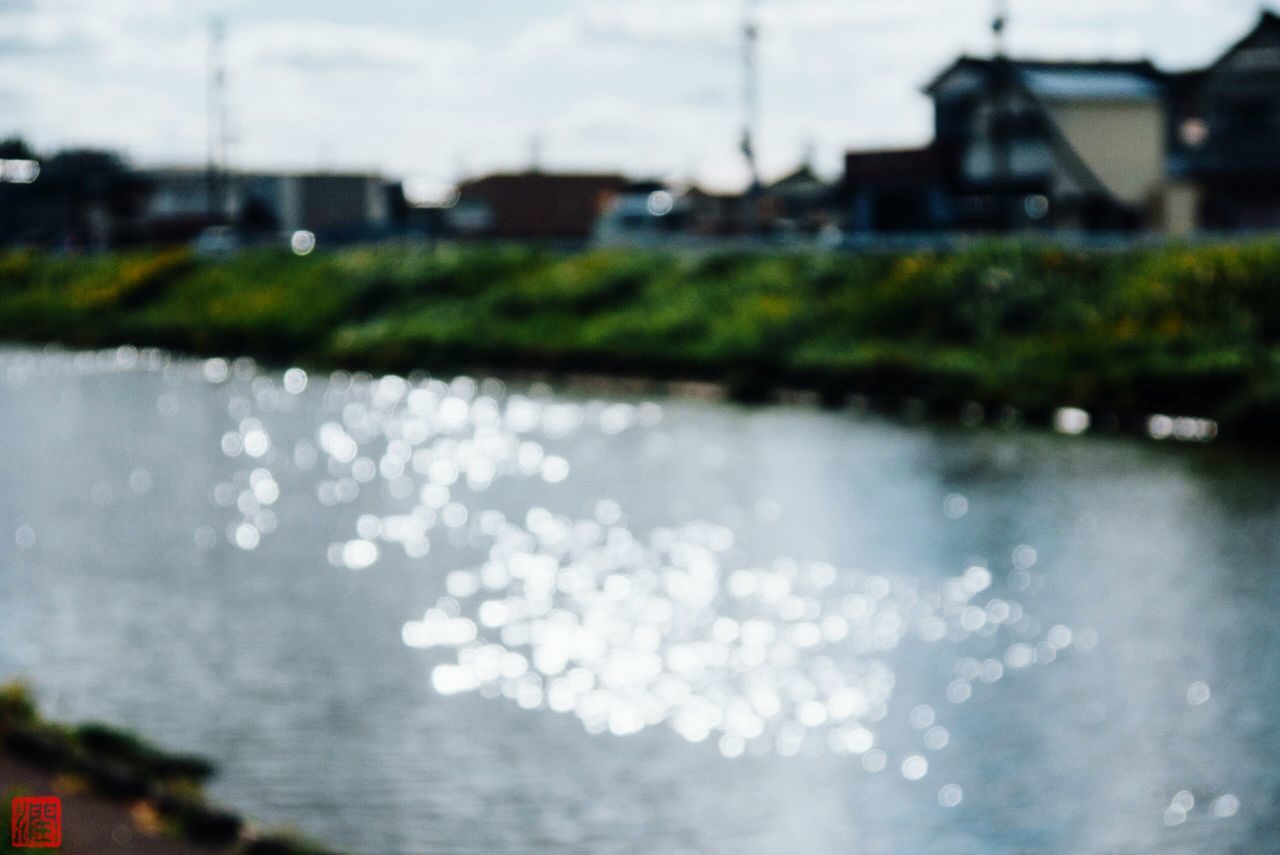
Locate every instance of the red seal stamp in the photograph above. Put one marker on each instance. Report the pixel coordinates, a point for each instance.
(37, 822)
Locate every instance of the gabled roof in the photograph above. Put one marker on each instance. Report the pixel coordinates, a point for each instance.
(1103, 79)
(800, 177)
(1268, 24)
(697, 191)
(1066, 80)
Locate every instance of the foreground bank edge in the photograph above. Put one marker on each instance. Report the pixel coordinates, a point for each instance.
(121, 793)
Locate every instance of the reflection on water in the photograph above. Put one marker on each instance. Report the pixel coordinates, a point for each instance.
(1027, 637)
(586, 617)
(625, 634)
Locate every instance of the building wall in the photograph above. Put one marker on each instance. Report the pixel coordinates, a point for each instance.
(288, 201)
(1027, 160)
(533, 205)
(185, 193)
(1030, 156)
(1181, 209)
(1122, 143)
(340, 202)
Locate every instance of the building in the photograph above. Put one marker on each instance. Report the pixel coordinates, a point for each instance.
(717, 215)
(336, 206)
(1099, 146)
(904, 191)
(642, 213)
(799, 203)
(533, 205)
(1224, 136)
(1066, 145)
(344, 206)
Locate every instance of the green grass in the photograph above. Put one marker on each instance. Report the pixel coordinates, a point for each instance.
(1187, 330)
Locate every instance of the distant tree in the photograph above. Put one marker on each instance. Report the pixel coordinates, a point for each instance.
(82, 197)
(256, 217)
(83, 170)
(16, 148)
(14, 198)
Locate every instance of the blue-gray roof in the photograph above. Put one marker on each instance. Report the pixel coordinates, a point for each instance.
(1089, 84)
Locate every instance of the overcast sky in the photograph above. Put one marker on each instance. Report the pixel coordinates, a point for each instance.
(442, 88)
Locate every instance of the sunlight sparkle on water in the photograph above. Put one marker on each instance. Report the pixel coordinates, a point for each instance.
(624, 630)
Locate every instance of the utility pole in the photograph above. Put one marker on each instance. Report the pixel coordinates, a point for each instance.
(1001, 116)
(750, 91)
(219, 138)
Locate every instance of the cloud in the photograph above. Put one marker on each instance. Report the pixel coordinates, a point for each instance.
(320, 45)
(651, 86)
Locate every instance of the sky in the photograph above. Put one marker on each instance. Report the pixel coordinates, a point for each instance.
(441, 89)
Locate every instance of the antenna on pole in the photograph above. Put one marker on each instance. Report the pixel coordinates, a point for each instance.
(750, 90)
(219, 136)
(999, 23)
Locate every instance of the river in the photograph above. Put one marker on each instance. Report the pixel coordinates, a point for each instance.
(453, 615)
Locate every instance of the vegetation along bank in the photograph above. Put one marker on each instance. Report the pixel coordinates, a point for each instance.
(1178, 330)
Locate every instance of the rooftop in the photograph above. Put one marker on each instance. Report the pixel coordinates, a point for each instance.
(1059, 80)
(1080, 84)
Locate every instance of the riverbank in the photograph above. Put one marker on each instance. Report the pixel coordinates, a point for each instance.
(1019, 330)
(119, 794)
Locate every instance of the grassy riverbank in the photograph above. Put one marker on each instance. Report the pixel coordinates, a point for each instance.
(1175, 330)
(120, 794)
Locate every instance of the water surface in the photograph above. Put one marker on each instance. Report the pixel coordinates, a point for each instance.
(450, 616)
